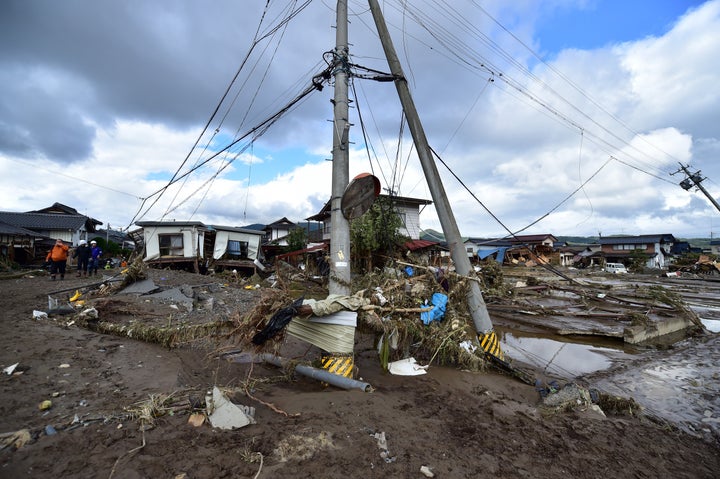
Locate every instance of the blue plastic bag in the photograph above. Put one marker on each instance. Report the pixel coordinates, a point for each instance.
(439, 302)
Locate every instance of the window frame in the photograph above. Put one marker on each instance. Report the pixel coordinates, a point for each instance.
(173, 248)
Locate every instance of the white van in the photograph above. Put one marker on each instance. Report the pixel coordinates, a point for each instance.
(615, 268)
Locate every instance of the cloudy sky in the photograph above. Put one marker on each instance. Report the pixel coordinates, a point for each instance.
(555, 116)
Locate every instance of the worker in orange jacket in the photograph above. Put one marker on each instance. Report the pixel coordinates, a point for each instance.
(58, 259)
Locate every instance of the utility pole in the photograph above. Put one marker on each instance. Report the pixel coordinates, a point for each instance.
(476, 304)
(339, 281)
(695, 179)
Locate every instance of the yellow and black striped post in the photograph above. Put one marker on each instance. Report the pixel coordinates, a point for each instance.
(340, 364)
(490, 343)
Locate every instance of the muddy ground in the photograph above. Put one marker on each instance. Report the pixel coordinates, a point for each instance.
(454, 423)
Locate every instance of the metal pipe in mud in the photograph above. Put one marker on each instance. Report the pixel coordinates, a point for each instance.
(319, 374)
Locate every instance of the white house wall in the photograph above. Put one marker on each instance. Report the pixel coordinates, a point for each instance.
(412, 222)
(191, 239)
(221, 241)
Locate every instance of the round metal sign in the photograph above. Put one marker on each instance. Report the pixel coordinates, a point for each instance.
(359, 195)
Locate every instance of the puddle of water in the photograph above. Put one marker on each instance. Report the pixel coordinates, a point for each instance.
(563, 359)
(682, 386)
(712, 325)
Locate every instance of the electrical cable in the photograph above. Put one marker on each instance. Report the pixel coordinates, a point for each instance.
(222, 99)
(256, 132)
(454, 45)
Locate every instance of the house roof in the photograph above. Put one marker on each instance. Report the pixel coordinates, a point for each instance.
(199, 224)
(419, 244)
(59, 208)
(490, 242)
(514, 240)
(658, 238)
(113, 235)
(531, 238)
(311, 249)
(12, 230)
(45, 221)
(281, 222)
(236, 229)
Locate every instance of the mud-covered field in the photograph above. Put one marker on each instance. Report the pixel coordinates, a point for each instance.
(449, 422)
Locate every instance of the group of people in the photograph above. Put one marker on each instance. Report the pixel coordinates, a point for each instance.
(88, 258)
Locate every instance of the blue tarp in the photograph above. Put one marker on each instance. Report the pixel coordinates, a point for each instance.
(482, 254)
(439, 302)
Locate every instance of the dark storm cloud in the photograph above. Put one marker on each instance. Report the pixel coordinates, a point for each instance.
(71, 64)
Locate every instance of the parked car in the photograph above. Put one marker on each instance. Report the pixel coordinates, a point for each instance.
(615, 268)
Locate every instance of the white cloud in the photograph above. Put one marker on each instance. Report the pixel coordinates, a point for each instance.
(521, 143)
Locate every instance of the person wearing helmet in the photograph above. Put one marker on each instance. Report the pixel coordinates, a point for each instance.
(95, 253)
(58, 259)
(82, 253)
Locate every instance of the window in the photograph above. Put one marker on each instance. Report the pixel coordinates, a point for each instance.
(469, 249)
(630, 247)
(237, 249)
(171, 245)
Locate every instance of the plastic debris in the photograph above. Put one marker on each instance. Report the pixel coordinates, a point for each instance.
(45, 405)
(439, 302)
(468, 346)
(40, 314)
(426, 471)
(50, 431)
(406, 367)
(224, 414)
(10, 369)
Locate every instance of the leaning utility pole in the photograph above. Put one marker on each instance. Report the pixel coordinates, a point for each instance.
(339, 281)
(476, 304)
(695, 179)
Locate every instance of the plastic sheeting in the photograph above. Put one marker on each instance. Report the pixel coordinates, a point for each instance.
(329, 337)
(482, 254)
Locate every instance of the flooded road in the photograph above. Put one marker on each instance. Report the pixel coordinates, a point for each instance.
(678, 382)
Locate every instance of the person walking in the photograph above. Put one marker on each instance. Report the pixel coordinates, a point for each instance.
(82, 253)
(58, 259)
(95, 253)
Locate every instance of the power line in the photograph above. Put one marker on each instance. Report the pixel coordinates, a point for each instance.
(255, 42)
(81, 180)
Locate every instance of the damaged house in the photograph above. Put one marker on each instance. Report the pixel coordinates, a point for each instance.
(408, 209)
(195, 246)
(527, 250)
